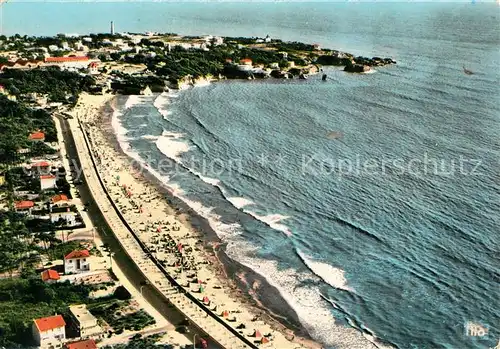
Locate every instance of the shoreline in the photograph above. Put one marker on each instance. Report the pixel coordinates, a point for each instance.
(240, 279)
(109, 162)
(282, 318)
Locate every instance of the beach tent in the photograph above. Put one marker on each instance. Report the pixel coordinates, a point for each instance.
(159, 230)
(264, 340)
(257, 334)
(179, 246)
(225, 313)
(201, 289)
(205, 299)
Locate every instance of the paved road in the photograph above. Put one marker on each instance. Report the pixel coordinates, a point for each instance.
(127, 265)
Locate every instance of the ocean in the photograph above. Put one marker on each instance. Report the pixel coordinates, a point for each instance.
(369, 201)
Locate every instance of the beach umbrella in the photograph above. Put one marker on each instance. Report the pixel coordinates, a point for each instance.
(159, 230)
(199, 281)
(205, 299)
(201, 289)
(117, 177)
(225, 313)
(124, 186)
(264, 340)
(257, 334)
(179, 246)
(203, 343)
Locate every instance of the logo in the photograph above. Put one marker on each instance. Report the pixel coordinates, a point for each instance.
(473, 329)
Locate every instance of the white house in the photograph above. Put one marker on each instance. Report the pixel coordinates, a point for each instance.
(84, 322)
(93, 68)
(77, 262)
(47, 182)
(49, 332)
(68, 217)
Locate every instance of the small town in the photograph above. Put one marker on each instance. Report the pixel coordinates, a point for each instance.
(55, 259)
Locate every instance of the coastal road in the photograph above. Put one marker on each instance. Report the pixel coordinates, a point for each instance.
(218, 331)
(126, 264)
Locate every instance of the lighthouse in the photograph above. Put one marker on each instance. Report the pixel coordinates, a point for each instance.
(112, 28)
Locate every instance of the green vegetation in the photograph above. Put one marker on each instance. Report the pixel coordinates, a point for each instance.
(138, 342)
(112, 314)
(60, 85)
(18, 122)
(22, 300)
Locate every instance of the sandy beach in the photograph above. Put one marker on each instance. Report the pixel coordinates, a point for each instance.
(182, 250)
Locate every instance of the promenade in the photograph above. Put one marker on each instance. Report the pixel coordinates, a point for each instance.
(151, 269)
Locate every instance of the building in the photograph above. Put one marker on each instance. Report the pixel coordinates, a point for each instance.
(88, 344)
(317, 47)
(41, 167)
(268, 38)
(24, 206)
(246, 61)
(93, 68)
(48, 182)
(21, 64)
(68, 218)
(76, 62)
(77, 262)
(84, 322)
(37, 137)
(59, 200)
(49, 332)
(50, 276)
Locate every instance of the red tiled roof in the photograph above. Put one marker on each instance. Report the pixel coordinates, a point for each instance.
(77, 254)
(66, 59)
(60, 197)
(50, 274)
(88, 344)
(246, 60)
(37, 135)
(24, 204)
(49, 323)
(47, 177)
(41, 164)
(93, 64)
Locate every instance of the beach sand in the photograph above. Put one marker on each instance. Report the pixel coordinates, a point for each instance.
(184, 245)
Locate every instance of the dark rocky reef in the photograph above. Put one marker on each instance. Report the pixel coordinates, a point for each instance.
(353, 64)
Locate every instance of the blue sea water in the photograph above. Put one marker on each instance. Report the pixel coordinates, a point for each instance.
(391, 228)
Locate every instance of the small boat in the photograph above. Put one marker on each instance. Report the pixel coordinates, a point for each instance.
(467, 71)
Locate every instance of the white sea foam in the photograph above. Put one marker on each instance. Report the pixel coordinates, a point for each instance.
(273, 221)
(150, 137)
(170, 145)
(239, 202)
(335, 277)
(312, 310)
(132, 101)
(211, 181)
(121, 135)
(160, 104)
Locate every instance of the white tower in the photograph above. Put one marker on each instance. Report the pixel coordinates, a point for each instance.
(112, 28)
